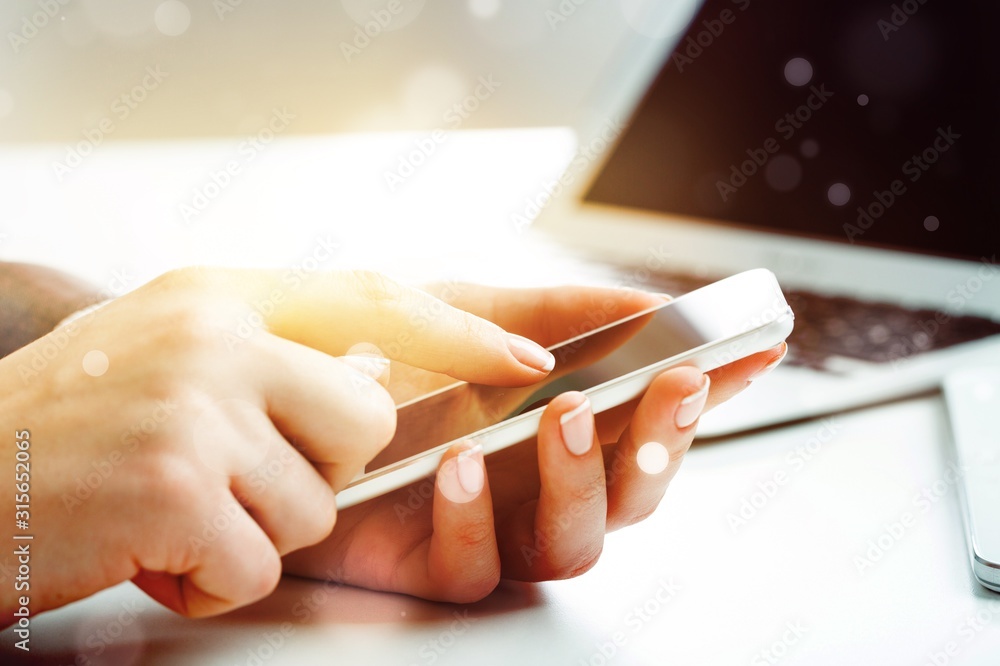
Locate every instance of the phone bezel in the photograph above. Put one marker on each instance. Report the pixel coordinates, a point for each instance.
(611, 393)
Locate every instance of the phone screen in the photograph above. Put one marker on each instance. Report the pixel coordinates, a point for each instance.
(461, 408)
(614, 363)
(600, 355)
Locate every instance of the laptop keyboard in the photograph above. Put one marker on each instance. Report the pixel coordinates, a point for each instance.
(829, 329)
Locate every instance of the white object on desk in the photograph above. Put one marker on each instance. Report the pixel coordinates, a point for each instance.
(973, 399)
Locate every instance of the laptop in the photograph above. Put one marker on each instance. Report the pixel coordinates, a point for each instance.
(849, 149)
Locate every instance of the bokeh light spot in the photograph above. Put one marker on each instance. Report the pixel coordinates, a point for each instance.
(95, 363)
(783, 173)
(172, 18)
(484, 9)
(798, 71)
(839, 194)
(652, 457)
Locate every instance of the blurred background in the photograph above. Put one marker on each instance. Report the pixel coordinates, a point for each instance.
(154, 133)
(119, 115)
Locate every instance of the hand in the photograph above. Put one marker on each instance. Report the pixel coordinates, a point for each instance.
(539, 510)
(188, 434)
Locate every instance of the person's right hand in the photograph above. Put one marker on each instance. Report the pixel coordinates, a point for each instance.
(176, 444)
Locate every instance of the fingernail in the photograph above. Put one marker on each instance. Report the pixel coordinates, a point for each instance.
(770, 366)
(530, 353)
(371, 366)
(470, 470)
(462, 478)
(577, 428)
(690, 408)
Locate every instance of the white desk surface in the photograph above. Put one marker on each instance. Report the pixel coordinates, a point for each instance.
(681, 588)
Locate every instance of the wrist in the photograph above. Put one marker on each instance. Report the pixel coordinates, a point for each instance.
(34, 300)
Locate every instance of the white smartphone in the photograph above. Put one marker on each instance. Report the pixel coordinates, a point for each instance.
(612, 364)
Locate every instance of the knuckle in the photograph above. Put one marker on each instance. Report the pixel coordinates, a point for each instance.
(473, 535)
(474, 589)
(637, 515)
(583, 562)
(194, 328)
(590, 494)
(174, 482)
(266, 577)
(376, 287)
(321, 522)
(376, 419)
(383, 420)
(187, 277)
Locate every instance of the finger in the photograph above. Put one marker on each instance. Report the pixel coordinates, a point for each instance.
(229, 563)
(727, 381)
(332, 311)
(651, 449)
(734, 377)
(562, 534)
(611, 423)
(460, 563)
(548, 315)
(288, 498)
(338, 417)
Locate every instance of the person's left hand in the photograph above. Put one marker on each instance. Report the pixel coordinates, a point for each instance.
(538, 510)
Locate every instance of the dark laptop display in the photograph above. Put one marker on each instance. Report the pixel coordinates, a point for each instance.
(858, 121)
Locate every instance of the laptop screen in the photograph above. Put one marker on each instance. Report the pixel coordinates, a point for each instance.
(859, 121)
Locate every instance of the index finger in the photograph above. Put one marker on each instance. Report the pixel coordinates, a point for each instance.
(550, 314)
(333, 311)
